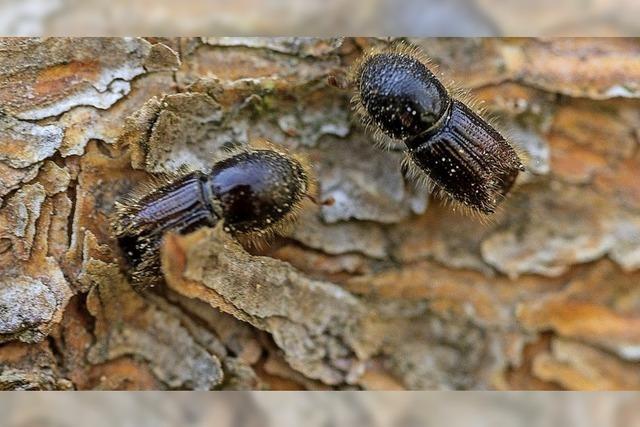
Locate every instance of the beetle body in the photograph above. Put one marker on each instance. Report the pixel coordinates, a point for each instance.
(451, 144)
(254, 193)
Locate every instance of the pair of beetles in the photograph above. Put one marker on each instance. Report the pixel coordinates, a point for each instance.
(258, 191)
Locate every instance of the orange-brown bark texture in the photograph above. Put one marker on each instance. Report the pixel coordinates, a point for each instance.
(385, 288)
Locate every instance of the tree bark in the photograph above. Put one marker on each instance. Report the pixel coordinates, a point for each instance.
(386, 288)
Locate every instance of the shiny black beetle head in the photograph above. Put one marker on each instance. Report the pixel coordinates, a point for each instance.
(256, 190)
(399, 93)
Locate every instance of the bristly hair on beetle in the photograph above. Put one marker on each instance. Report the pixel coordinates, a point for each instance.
(447, 140)
(256, 192)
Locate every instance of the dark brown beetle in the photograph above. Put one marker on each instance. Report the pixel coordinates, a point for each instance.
(457, 150)
(255, 192)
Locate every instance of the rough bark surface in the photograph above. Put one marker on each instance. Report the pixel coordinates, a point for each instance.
(385, 289)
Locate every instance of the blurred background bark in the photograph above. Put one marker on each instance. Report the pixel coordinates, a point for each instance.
(384, 289)
(288, 409)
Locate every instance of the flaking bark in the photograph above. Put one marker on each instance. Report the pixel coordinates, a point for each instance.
(385, 288)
